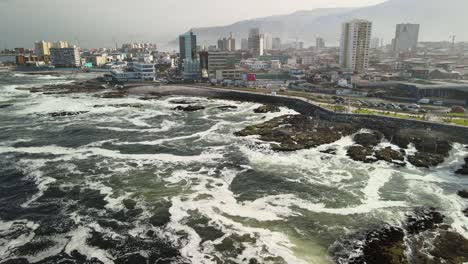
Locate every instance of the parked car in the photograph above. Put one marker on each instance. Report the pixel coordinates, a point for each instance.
(438, 103)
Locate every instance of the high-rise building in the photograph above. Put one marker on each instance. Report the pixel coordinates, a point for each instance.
(406, 38)
(354, 46)
(244, 44)
(319, 43)
(60, 44)
(375, 43)
(276, 45)
(188, 61)
(188, 46)
(256, 42)
(65, 57)
(267, 41)
(42, 49)
(227, 44)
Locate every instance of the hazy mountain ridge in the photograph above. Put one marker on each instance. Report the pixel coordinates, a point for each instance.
(438, 19)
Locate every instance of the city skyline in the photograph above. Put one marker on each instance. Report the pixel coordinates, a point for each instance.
(157, 23)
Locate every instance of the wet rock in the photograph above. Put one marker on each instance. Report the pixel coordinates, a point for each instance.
(112, 224)
(134, 212)
(329, 151)
(383, 246)
(53, 192)
(450, 247)
(129, 204)
(201, 224)
(424, 141)
(61, 114)
(5, 105)
(93, 199)
(360, 153)
(267, 109)
(131, 259)
(114, 94)
(161, 217)
(120, 105)
(464, 169)
(102, 241)
(463, 194)
(295, 132)
(74, 257)
(389, 155)
(465, 212)
(55, 225)
(226, 107)
(368, 139)
(190, 108)
(423, 219)
(34, 247)
(230, 246)
(425, 160)
(181, 102)
(16, 261)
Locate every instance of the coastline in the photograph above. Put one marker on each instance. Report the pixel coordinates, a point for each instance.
(301, 105)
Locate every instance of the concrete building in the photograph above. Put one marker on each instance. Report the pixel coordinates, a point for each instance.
(136, 73)
(60, 44)
(228, 74)
(222, 60)
(8, 58)
(375, 43)
(276, 45)
(65, 57)
(354, 46)
(267, 41)
(256, 42)
(244, 44)
(406, 38)
(99, 60)
(42, 49)
(319, 44)
(227, 44)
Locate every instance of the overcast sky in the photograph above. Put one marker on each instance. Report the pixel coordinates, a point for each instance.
(24, 20)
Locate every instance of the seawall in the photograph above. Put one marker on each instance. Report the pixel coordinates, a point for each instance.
(300, 105)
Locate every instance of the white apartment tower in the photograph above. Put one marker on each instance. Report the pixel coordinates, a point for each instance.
(354, 47)
(256, 42)
(406, 38)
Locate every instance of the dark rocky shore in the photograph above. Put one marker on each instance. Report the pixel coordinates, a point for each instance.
(407, 243)
(384, 244)
(296, 132)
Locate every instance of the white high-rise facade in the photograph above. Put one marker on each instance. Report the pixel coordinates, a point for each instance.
(256, 42)
(355, 43)
(406, 38)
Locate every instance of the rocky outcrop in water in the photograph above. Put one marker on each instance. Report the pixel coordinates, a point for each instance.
(120, 105)
(227, 107)
(267, 109)
(61, 114)
(295, 132)
(464, 169)
(463, 194)
(190, 108)
(114, 94)
(432, 147)
(183, 102)
(366, 151)
(5, 106)
(388, 244)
